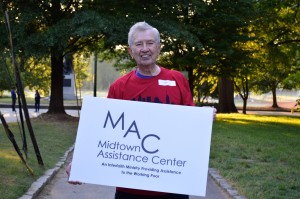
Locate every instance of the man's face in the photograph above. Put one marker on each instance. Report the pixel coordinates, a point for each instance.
(145, 48)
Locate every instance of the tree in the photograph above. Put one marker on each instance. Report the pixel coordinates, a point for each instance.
(278, 30)
(7, 81)
(227, 25)
(52, 29)
(175, 23)
(245, 74)
(36, 74)
(198, 37)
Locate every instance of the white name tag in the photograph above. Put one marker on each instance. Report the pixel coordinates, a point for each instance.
(166, 82)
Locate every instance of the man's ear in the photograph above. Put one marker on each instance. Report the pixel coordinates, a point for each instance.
(130, 51)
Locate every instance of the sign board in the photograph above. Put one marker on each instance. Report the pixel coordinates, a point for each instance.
(141, 145)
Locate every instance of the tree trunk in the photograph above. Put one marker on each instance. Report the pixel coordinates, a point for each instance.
(191, 80)
(244, 105)
(274, 105)
(56, 100)
(226, 96)
(244, 93)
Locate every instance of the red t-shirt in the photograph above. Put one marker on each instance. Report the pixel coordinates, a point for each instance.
(168, 87)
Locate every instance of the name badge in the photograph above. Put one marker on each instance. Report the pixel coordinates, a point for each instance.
(166, 82)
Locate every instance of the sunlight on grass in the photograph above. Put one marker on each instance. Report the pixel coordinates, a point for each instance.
(258, 155)
(53, 139)
(238, 118)
(6, 154)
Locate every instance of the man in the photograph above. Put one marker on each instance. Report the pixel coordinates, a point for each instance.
(37, 100)
(149, 83)
(13, 98)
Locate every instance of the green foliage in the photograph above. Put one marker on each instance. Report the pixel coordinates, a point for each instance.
(80, 66)
(236, 39)
(292, 81)
(205, 88)
(278, 31)
(36, 75)
(7, 77)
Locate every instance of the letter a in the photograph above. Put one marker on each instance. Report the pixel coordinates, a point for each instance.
(134, 131)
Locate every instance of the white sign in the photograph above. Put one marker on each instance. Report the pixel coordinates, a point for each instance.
(141, 145)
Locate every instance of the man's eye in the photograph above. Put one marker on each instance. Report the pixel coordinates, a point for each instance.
(138, 44)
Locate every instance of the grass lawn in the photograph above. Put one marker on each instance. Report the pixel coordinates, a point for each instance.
(258, 155)
(53, 138)
(30, 100)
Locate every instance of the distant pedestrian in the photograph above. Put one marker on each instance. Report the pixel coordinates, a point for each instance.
(14, 99)
(37, 100)
(296, 107)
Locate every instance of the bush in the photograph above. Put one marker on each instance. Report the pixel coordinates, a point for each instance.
(215, 105)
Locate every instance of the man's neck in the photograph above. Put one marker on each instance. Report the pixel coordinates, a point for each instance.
(149, 71)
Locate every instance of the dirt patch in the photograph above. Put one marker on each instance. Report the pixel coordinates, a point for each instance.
(287, 105)
(267, 106)
(56, 117)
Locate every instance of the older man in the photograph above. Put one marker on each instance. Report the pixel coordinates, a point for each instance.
(148, 82)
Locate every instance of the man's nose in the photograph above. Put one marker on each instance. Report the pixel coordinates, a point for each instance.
(145, 47)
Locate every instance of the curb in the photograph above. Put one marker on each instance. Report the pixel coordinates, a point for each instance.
(224, 184)
(39, 184)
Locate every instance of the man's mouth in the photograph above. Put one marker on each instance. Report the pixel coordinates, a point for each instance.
(145, 57)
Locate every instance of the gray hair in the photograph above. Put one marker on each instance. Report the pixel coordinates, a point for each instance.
(141, 26)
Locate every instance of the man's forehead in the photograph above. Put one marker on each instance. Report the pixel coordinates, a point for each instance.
(147, 35)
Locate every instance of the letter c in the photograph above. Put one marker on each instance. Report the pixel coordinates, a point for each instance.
(150, 135)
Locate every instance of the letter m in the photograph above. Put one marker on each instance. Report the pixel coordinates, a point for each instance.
(108, 117)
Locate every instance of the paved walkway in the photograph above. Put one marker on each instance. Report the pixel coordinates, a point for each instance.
(10, 116)
(53, 185)
(59, 188)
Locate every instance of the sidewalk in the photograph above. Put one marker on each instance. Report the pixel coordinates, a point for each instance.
(53, 185)
(10, 116)
(59, 188)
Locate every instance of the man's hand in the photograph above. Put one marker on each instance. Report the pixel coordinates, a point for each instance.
(68, 170)
(214, 113)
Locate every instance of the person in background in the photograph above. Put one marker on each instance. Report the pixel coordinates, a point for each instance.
(14, 99)
(37, 100)
(148, 82)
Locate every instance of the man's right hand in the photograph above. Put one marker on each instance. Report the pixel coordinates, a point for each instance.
(68, 170)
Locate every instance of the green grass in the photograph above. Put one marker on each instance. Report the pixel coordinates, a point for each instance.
(258, 155)
(53, 138)
(30, 100)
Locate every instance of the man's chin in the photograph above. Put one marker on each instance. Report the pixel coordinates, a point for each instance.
(146, 63)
